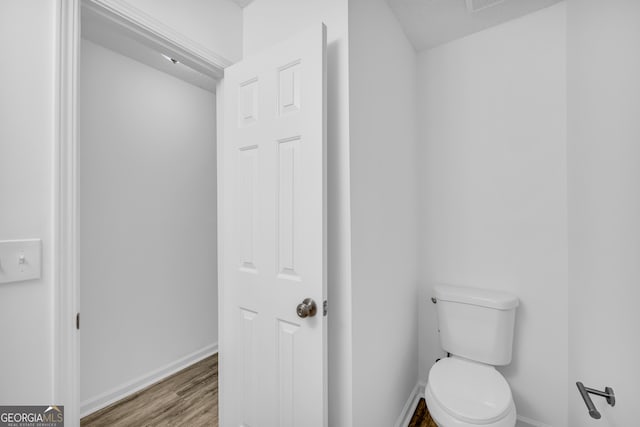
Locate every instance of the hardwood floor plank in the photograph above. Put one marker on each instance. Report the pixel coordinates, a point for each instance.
(421, 416)
(187, 398)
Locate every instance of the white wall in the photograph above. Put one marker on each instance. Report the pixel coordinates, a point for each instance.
(266, 22)
(148, 220)
(604, 207)
(27, 135)
(215, 24)
(384, 217)
(493, 192)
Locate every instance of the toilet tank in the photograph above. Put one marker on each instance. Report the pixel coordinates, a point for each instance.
(476, 324)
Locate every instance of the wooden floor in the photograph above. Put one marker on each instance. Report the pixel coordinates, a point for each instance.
(187, 398)
(421, 416)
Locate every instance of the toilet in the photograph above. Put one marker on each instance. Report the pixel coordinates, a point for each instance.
(476, 329)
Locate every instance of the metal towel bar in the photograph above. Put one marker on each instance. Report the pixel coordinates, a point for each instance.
(585, 391)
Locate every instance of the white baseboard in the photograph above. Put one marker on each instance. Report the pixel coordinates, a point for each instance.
(117, 393)
(410, 406)
(528, 422)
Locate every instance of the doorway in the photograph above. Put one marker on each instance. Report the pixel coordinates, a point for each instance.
(148, 213)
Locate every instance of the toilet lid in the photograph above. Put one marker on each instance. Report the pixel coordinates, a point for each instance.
(470, 391)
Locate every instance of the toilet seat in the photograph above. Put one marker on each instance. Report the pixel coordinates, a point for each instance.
(469, 393)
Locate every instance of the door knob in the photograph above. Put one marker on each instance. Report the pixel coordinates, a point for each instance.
(307, 308)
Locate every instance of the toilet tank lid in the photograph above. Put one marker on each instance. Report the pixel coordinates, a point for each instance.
(482, 297)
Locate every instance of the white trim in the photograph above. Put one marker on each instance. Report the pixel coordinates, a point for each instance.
(220, 182)
(410, 406)
(528, 422)
(148, 30)
(105, 399)
(66, 349)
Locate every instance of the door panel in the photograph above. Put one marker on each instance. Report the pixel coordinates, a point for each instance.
(273, 248)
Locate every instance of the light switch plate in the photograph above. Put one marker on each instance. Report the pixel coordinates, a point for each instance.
(20, 260)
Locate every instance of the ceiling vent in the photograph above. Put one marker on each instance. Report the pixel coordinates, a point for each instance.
(477, 5)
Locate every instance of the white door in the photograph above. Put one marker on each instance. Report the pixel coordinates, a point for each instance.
(272, 352)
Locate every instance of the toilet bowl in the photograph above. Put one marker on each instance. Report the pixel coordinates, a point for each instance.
(476, 328)
(464, 393)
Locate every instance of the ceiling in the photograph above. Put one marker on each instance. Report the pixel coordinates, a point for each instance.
(428, 23)
(242, 3)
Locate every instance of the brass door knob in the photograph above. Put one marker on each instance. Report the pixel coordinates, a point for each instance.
(307, 308)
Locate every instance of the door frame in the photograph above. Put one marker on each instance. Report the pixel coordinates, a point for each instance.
(66, 179)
